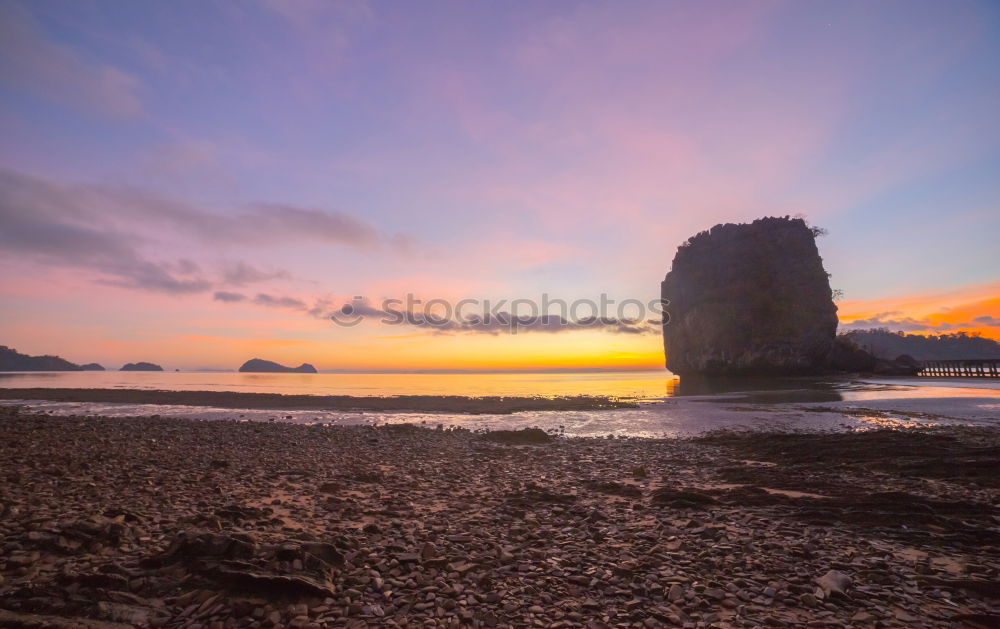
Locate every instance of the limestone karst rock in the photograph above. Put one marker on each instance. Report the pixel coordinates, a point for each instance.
(12, 360)
(141, 366)
(258, 365)
(749, 299)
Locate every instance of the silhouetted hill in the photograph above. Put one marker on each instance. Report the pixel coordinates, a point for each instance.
(12, 360)
(887, 344)
(140, 366)
(91, 367)
(258, 365)
(749, 299)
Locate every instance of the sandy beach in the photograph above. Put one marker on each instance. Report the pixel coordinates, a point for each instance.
(165, 522)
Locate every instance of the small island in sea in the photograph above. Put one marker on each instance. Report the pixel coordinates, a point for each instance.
(259, 365)
(141, 366)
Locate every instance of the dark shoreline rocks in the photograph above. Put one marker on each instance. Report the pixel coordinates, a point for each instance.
(113, 522)
(846, 356)
(258, 365)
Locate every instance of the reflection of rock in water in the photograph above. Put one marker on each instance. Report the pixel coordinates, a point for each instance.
(761, 390)
(749, 299)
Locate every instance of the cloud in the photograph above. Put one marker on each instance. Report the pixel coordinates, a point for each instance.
(164, 277)
(892, 321)
(25, 231)
(107, 230)
(134, 209)
(270, 301)
(276, 218)
(228, 297)
(241, 274)
(30, 62)
(492, 323)
(506, 322)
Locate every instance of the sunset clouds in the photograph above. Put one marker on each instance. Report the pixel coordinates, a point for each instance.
(237, 170)
(108, 229)
(968, 308)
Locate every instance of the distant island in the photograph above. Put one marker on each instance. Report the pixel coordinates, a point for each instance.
(258, 365)
(141, 366)
(13, 360)
(884, 343)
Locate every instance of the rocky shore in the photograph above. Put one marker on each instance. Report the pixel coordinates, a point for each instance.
(110, 522)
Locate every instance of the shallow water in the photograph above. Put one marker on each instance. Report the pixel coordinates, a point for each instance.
(667, 417)
(638, 385)
(650, 384)
(668, 407)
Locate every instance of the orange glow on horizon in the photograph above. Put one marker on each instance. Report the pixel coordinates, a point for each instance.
(943, 312)
(212, 336)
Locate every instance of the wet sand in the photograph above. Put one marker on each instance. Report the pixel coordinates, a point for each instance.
(587, 417)
(113, 522)
(241, 400)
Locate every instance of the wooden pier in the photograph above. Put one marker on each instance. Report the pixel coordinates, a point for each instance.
(978, 368)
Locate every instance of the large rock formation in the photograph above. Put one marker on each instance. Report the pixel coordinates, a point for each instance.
(258, 365)
(749, 299)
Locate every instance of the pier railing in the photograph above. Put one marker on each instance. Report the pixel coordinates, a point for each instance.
(976, 368)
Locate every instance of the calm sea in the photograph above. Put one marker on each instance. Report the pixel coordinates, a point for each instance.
(627, 384)
(639, 385)
(669, 407)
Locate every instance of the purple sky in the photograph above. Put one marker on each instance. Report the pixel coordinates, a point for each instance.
(156, 154)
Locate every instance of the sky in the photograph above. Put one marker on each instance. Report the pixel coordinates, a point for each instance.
(196, 183)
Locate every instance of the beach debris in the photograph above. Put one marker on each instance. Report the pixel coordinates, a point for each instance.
(524, 436)
(834, 582)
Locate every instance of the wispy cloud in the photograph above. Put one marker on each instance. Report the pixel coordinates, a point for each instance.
(107, 230)
(228, 297)
(968, 308)
(272, 301)
(897, 323)
(29, 230)
(33, 63)
(241, 274)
